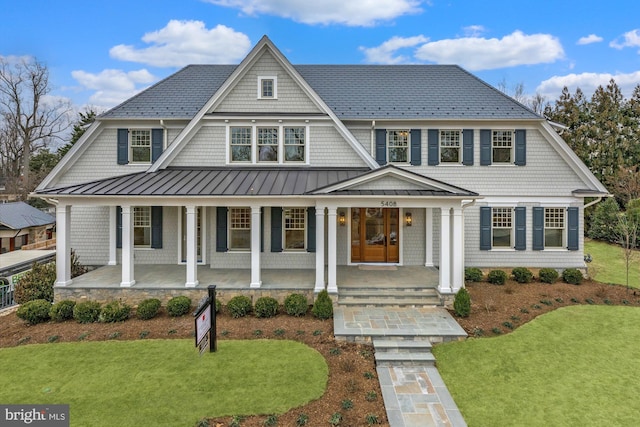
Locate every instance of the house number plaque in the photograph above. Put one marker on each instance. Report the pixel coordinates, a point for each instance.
(388, 203)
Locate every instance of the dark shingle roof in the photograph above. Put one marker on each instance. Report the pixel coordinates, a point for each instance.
(20, 215)
(364, 92)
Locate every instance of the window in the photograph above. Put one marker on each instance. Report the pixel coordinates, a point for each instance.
(267, 87)
(398, 146)
(501, 146)
(450, 146)
(267, 144)
(240, 228)
(240, 144)
(140, 146)
(294, 141)
(501, 227)
(554, 227)
(294, 228)
(142, 226)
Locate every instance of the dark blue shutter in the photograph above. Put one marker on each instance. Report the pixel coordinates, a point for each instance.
(311, 229)
(433, 151)
(118, 227)
(157, 143)
(521, 147)
(123, 146)
(485, 147)
(467, 147)
(276, 229)
(416, 147)
(156, 227)
(538, 228)
(485, 228)
(573, 237)
(381, 146)
(521, 228)
(221, 229)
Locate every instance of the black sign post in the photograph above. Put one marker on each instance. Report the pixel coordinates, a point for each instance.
(213, 345)
(205, 322)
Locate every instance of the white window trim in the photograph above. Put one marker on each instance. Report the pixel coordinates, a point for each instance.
(563, 245)
(281, 146)
(511, 246)
(284, 231)
(203, 234)
(130, 146)
(512, 151)
(460, 152)
(408, 147)
(275, 87)
(237, 250)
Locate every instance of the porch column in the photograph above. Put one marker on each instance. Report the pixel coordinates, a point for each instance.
(256, 281)
(332, 285)
(445, 251)
(457, 246)
(192, 247)
(112, 235)
(319, 249)
(63, 245)
(127, 247)
(428, 237)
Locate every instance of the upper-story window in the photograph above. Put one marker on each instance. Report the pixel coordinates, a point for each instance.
(140, 146)
(502, 146)
(450, 146)
(268, 144)
(398, 146)
(267, 87)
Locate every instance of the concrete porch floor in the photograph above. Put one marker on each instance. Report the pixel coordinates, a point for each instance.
(159, 276)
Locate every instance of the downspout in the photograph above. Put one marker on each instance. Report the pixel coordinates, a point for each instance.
(593, 202)
(373, 138)
(165, 137)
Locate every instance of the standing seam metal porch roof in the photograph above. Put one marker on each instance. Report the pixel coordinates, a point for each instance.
(249, 181)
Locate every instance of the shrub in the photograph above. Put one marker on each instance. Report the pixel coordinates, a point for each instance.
(522, 275)
(178, 306)
(497, 277)
(266, 307)
(35, 311)
(473, 274)
(548, 275)
(239, 306)
(462, 303)
(296, 305)
(77, 268)
(148, 309)
(62, 310)
(572, 276)
(86, 312)
(323, 307)
(218, 305)
(115, 311)
(36, 283)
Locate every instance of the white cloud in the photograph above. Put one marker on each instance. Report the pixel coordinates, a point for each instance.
(181, 43)
(629, 39)
(355, 13)
(473, 30)
(591, 38)
(588, 83)
(384, 54)
(475, 53)
(113, 86)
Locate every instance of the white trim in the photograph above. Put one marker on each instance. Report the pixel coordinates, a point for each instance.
(113, 230)
(63, 246)
(428, 237)
(256, 280)
(319, 286)
(275, 87)
(192, 247)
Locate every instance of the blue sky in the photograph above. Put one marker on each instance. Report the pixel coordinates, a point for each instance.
(101, 53)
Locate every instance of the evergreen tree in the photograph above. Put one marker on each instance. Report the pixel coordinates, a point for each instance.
(79, 128)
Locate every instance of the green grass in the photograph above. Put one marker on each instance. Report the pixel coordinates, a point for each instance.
(162, 382)
(575, 366)
(608, 265)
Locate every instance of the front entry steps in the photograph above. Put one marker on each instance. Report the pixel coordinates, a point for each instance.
(395, 296)
(405, 351)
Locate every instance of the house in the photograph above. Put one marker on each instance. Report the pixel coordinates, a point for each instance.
(266, 166)
(22, 225)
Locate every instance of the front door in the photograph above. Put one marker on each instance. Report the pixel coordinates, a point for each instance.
(374, 235)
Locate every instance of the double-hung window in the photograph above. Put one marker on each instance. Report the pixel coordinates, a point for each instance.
(554, 226)
(294, 143)
(398, 146)
(450, 146)
(268, 144)
(502, 227)
(294, 228)
(240, 228)
(502, 146)
(142, 226)
(267, 87)
(241, 144)
(140, 145)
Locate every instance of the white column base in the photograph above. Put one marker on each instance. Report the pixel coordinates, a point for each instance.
(127, 284)
(255, 285)
(62, 284)
(191, 284)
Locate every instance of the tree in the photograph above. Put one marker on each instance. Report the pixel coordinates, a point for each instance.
(85, 120)
(29, 119)
(627, 231)
(604, 220)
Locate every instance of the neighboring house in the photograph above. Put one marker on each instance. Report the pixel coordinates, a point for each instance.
(269, 165)
(22, 224)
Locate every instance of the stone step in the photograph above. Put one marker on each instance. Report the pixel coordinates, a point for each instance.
(387, 359)
(403, 350)
(387, 292)
(430, 301)
(402, 345)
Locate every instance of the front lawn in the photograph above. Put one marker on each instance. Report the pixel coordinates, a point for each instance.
(609, 266)
(575, 366)
(162, 382)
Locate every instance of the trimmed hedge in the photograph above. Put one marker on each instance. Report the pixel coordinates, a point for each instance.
(35, 311)
(179, 306)
(86, 312)
(115, 311)
(323, 306)
(473, 274)
(497, 277)
(266, 307)
(548, 275)
(62, 310)
(148, 309)
(239, 306)
(296, 305)
(522, 275)
(572, 276)
(462, 303)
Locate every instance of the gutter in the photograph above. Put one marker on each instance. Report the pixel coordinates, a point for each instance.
(593, 202)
